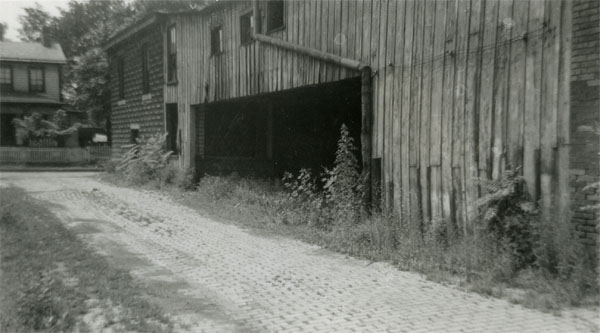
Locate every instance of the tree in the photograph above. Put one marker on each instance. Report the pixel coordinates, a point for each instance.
(88, 89)
(81, 29)
(3, 29)
(35, 21)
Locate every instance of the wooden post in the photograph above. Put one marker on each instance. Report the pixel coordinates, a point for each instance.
(366, 98)
(270, 132)
(365, 133)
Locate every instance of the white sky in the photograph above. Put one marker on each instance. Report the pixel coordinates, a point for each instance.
(10, 10)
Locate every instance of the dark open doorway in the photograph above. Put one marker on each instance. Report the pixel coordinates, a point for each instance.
(172, 124)
(270, 134)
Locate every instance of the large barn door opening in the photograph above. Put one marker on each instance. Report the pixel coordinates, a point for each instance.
(270, 134)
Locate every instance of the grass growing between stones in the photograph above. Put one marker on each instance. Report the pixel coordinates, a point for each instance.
(479, 263)
(511, 251)
(50, 281)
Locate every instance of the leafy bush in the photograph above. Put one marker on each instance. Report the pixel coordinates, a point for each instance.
(143, 161)
(507, 213)
(343, 188)
(34, 128)
(172, 174)
(110, 165)
(339, 201)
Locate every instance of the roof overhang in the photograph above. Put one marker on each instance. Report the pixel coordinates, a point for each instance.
(131, 30)
(155, 17)
(29, 100)
(37, 61)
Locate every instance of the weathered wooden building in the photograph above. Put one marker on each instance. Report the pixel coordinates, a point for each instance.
(441, 93)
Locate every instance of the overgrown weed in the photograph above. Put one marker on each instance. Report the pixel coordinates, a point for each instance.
(148, 163)
(510, 244)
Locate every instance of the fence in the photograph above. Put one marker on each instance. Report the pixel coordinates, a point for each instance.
(54, 155)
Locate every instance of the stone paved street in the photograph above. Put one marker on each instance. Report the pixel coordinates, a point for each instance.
(271, 284)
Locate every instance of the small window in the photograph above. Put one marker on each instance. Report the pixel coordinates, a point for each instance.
(145, 69)
(275, 15)
(36, 79)
(134, 134)
(121, 75)
(246, 27)
(216, 40)
(172, 54)
(6, 77)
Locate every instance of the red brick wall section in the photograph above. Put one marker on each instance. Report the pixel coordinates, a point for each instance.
(146, 110)
(585, 115)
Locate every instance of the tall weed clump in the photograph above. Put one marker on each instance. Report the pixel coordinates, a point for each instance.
(149, 162)
(144, 160)
(335, 198)
(507, 214)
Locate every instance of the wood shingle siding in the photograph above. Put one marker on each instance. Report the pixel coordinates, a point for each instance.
(136, 107)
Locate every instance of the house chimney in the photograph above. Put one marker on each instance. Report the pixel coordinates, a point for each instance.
(46, 38)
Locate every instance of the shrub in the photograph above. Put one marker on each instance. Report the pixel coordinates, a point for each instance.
(343, 188)
(110, 165)
(143, 161)
(507, 213)
(340, 199)
(185, 179)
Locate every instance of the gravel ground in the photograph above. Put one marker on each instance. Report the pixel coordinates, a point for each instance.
(212, 276)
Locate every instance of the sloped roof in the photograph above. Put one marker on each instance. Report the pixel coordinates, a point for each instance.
(151, 18)
(21, 97)
(31, 52)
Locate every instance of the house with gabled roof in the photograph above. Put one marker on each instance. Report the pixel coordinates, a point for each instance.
(30, 82)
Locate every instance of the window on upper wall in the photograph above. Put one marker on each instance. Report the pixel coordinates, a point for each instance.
(121, 76)
(172, 54)
(275, 15)
(36, 79)
(6, 78)
(246, 27)
(216, 40)
(145, 69)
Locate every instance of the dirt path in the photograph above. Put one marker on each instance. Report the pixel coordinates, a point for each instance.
(216, 277)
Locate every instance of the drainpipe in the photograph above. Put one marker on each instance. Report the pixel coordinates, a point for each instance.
(366, 96)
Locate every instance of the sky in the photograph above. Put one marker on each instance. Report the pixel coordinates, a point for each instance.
(10, 10)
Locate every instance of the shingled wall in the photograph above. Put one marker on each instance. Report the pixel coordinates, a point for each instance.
(145, 110)
(585, 115)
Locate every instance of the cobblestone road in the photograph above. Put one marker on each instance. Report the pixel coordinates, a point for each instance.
(275, 284)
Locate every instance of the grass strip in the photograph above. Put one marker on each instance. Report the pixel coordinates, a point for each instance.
(51, 281)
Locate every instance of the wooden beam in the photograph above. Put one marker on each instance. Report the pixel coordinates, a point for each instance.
(324, 56)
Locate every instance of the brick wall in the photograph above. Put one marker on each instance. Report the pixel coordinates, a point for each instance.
(585, 114)
(145, 110)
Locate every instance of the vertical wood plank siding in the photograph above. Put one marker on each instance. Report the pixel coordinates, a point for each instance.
(461, 88)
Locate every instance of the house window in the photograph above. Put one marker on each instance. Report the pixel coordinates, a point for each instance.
(121, 74)
(6, 78)
(145, 69)
(246, 27)
(36, 79)
(216, 40)
(172, 54)
(275, 15)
